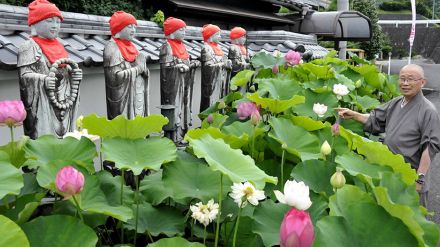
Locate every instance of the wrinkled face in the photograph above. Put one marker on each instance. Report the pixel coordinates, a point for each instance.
(215, 37)
(127, 33)
(411, 81)
(48, 28)
(179, 34)
(240, 41)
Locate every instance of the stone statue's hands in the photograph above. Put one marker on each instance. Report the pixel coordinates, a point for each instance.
(50, 82)
(183, 68)
(228, 64)
(195, 63)
(77, 74)
(141, 61)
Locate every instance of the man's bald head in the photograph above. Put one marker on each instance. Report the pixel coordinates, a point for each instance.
(411, 80)
(415, 68)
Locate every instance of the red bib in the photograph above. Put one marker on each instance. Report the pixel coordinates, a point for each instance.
(217, 49)
(127, 49)
(51, 48)
(178, 48)
(242, 49)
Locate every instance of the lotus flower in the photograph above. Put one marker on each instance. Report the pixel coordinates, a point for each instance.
(245, 110)
(335, 129)
(78, 134)
(325, 148)
(296, 194)
(296, 229)
(12, 113)
(205, 214)
(338, 179)
(247, 192)
(319, 109)
(69, 181)
(292, 57)
(275, 69)
(340, 90)
(210, 119)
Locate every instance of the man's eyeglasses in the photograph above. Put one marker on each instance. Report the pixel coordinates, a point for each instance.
(410, 79)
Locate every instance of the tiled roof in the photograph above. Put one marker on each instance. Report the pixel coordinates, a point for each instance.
(85, 36)
(313, 3)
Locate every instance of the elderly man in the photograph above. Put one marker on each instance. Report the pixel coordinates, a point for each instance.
(411, 124)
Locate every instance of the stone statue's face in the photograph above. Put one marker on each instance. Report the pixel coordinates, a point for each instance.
(48, 28)
(179, 34)
(127, 33)
(239, 41)
(215, 37)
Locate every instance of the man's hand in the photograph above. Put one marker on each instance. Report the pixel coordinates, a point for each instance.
(346, 113)
(418, 187)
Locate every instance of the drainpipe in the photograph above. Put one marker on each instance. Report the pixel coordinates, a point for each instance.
(343, 6)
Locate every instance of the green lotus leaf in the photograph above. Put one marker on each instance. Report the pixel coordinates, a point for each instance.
(12, 234)
(308, 123)
(370, 74)
(91, 219)
(24, 207)
(11, 180)
(245, 236)
(189, 178)
(154, 189)
(167, 220)
(354, 164)
(319, 207)
(321, 72)
(111, 187)
(365, 103)
(175, 242)
(267, 221)
(306, 109)
(19, 156)
(281, 87)
(231, 162)
(218, 121)
(317, 86)
(136, 128)
(263, 60)
(316, 174)
(276, 105)
(357, 59)
(59, 230)
(244, 129)
(242, 77)
(228, 99)
(49, 148)
(139, 154)
(235, 142)
(299, 142)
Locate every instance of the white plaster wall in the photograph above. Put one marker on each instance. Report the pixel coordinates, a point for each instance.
(92, 95)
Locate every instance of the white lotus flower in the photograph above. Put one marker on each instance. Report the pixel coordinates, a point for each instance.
(296, 194)
(319, 109)
(276, 53)
(205, 214)
(78, 134)
(340, 90)
(248, 191)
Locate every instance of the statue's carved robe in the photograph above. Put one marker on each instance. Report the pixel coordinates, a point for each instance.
(215, 77)
(127, 93)
(239, 60)
(42, 117)
(176, 88)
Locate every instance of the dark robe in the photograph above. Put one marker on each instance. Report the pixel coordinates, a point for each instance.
(42, 116)
(127, 92)
(409, 129)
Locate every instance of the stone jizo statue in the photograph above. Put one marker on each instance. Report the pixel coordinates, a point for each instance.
(126, 72)
(238, 52)
(176, 80)
(49, 80)
(215, 68)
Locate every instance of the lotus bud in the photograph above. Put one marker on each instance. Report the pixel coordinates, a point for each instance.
(335, 129)
(79, 122)
(284, 146)
(326, 149)
(255, 117)
(69, 181)
(252, 89)
(338, 179)
(358, 84)
(275, 69)
(210, 119)
(12, 113)
(221, 105)
(234, 88)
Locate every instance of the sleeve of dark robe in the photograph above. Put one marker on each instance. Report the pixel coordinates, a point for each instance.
(376, 122)
(430, 131)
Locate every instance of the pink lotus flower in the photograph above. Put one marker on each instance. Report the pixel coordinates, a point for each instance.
(275, 69)
(12, 113)
(335, 129)
(69, 181)
(245, 110)
(210, 119)
(296, 229)
(292, 57)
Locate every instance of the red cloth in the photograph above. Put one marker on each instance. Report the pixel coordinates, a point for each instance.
(120, 20)
(237, 32)
(172, 24)
(51, 48)
(179, 49)
(128, 50)
(242, 49)
(208, 30)
(42, 9)
(217, 49)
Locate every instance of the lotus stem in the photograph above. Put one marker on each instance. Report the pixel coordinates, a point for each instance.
(100, 154)
(137, 208)
(282, 170)
(122, 194)
(204, 236)
(11, 130)
(217, 229)
(78, 209)
(236, 225)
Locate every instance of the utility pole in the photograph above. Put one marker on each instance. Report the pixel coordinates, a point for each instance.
(343, 6)
(433, 9)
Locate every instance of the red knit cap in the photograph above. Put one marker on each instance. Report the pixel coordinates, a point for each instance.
(42, 9)
(208, 30)
(237, 32)
(172, 24)
(120, 20)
